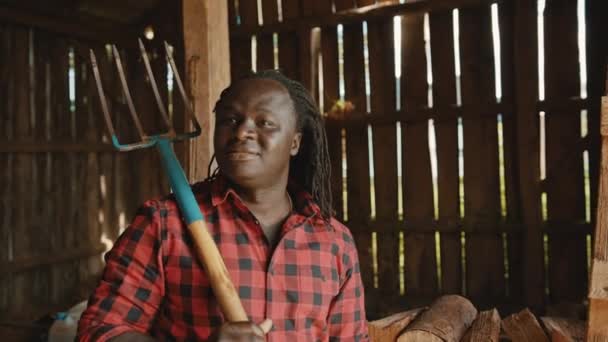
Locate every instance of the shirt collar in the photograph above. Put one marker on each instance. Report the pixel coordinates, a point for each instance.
(303, 202)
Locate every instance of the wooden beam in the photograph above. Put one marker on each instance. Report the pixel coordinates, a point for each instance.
(379, 12)
(54, 146)
(78, 27)
(25, 264)
(207, 58)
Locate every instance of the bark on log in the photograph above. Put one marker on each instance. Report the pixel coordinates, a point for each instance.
(564, 330)
(446, 320)
(387, 329)
(523, 327)
(486, 328)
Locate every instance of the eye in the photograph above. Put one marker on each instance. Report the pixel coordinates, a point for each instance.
(228, 120)
(267, 123)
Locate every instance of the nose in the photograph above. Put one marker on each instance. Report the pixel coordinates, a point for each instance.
(245, 129)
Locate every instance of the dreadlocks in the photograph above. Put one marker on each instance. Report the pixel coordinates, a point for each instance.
(311, 166)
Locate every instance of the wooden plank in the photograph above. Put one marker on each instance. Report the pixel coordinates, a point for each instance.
(565, 191)
(233, 19)
(331, 78)
(74, 26)
(316, 7)
(595, 15)
(309, 45)
(144, 162)
(66, 276)
(382, 99)
(240, 49)
(265, 49)
(523, 327)
(94, 167)
(248, 11)
(122, 197)
(41, 165)
(420, 256)
(358, 183)
(6, 160)
(486, 327)
(377, 12)
(514, 241)
(342, 5)
(291, 9)
(42, 260)
(240, 58)
(270, 11)
(362, 3)
(22, 167)
(289, 55)
(485, 267)
(528, 147)
(446, 133)
(388, 329)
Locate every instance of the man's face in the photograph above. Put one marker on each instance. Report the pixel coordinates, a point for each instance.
(255, 133)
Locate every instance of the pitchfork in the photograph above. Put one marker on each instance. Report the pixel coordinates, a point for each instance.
(206, 249)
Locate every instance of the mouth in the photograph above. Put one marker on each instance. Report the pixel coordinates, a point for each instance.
(241, 155)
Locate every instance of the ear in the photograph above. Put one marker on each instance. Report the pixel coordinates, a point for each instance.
(295, 144)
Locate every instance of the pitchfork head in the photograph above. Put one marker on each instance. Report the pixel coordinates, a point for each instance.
(146, 140)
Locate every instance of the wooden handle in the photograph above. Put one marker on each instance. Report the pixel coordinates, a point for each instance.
(210, 257)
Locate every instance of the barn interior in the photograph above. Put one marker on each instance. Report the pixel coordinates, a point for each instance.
(464, 138)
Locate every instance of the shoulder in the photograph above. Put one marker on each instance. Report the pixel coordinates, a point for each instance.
(341, 232)
(343, 238)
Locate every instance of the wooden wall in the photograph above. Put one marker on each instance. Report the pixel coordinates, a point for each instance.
(492, 227)
(65, 193)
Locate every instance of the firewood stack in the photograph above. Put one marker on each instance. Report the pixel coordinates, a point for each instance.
(453, 318)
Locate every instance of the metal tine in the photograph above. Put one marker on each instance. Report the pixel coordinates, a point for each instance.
(159, 101)
(102, 95)
(188, 104)
(125, 89)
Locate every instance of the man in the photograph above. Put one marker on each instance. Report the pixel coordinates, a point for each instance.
(268, 206)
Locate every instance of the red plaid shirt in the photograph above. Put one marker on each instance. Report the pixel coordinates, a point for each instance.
(310, 286)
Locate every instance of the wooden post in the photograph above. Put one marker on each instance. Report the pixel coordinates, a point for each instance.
(446, 320)
(598, 294)
(207, 58)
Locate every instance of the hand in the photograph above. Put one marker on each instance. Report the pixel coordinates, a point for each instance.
(241, 332)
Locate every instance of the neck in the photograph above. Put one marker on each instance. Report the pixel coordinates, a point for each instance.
(263, 198)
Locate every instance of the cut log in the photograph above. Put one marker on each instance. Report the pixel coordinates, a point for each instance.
(486, 328)
(523, 327)
(446, 320)
(387, 329)
(564, 330)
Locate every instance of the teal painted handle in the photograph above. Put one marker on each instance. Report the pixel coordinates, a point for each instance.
(179, 183)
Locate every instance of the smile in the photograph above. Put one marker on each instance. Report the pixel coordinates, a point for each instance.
(239, 155)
